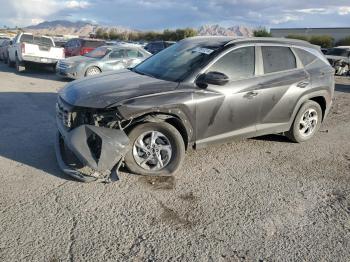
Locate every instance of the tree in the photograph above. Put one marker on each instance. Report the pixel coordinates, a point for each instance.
(262, 32)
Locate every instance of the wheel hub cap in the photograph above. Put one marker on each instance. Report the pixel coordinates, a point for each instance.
(308, 122)
(152, 150)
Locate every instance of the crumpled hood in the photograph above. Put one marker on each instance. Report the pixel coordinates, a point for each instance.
(107, 89)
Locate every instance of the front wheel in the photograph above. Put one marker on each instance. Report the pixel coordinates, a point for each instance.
(156, 149)
(91, 71)
(306, 123)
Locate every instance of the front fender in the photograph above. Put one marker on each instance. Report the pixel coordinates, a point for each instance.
(176, 104)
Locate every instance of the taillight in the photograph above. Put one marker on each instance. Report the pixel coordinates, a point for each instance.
(23, 48)
(84, 51)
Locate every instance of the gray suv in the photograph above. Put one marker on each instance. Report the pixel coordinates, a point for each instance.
(196, 92)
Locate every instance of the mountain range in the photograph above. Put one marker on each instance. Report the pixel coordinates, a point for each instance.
(84, 28)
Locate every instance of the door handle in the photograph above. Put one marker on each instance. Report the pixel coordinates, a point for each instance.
(303, 84)
(251, 94)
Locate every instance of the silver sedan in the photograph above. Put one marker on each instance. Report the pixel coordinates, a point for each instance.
(102, 59)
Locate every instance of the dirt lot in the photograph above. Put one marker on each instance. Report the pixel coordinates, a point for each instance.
(263, 199)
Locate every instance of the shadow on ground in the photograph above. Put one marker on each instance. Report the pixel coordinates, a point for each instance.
(36, 71)
(28, 130)
(342, 88)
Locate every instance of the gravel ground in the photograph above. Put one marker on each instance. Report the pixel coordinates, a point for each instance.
(262, 199)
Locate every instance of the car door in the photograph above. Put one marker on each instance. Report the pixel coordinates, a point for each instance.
(115, 60)
(282, 82)
(133, 56)
(12, 49)
(223, 112)
(68, 48)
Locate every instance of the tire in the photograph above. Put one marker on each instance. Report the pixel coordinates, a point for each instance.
(304, 126)
(93, 70)
(171, 138)
(19, 67)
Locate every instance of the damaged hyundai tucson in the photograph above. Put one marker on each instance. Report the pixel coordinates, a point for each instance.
(199, 91)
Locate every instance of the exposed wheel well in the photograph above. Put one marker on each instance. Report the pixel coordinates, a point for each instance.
(322, 102)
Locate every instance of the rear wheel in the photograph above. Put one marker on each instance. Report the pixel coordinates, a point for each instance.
(156, 149)
(91, 71)
(19, 67)
(306, 123)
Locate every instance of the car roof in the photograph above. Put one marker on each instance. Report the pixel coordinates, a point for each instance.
(112, 47)
(225, 40)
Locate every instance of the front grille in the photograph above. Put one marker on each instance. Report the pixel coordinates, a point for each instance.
(64, 114)
(63, 65)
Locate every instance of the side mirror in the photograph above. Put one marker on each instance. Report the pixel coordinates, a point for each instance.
(212, 78)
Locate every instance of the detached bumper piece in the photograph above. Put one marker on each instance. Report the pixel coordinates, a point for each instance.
(89, 153)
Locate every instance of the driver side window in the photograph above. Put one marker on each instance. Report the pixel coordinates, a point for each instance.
(237, 64)
(117, 54)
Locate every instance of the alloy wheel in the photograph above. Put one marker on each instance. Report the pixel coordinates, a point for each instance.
(308, 122)
(152, 150)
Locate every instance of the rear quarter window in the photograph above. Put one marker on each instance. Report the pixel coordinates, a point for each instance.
(277, 58)
(305, 57)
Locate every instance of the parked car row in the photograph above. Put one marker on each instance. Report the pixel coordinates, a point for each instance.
(77, 57)
(101, 59)
(339, 58)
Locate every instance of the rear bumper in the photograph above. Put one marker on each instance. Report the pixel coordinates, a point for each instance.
(39, 60)
(76, 157)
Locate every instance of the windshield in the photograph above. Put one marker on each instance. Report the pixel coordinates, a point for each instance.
(98, 52)
(178, 61)
(37, 40)
(338, 52)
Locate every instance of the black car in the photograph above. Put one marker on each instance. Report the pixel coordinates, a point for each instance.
(157, 46)
(199, 91)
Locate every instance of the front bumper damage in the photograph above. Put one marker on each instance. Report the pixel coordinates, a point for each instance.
(77, 156)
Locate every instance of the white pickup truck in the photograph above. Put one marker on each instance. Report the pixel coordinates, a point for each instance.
(27, 48)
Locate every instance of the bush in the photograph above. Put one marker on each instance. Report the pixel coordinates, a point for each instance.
(345, 41)
(262, 32)
(166, 35)
(325, 41)
(299, 37)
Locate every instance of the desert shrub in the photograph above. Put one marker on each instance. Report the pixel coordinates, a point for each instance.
(299, 37)
(345, 41)
(324, 41)
(262, 32)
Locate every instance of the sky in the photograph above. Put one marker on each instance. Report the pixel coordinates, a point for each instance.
(161, 14)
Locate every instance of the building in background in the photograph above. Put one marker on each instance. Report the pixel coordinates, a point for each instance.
(337, 33)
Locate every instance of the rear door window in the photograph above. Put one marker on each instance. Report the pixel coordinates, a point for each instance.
(237, 64)
(117, 54)
(277, 58)
(132, 53)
